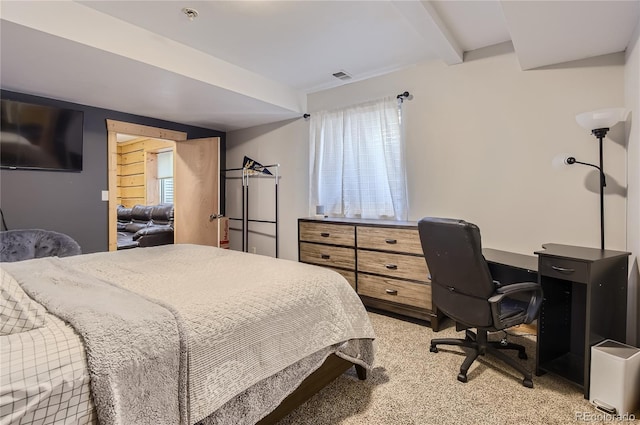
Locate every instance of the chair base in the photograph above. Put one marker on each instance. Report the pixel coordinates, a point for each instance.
(480, 346)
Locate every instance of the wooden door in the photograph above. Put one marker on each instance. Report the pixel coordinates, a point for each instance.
(196, 191)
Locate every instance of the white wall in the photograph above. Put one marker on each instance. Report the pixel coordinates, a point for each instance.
(481, 136)
(632, 103)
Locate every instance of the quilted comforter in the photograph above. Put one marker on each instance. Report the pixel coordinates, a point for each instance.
(229, 321)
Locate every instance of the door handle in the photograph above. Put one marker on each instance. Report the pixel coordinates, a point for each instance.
(215, 216)
(391, 291)
(391, 266)
(391, 241)
(563, 269)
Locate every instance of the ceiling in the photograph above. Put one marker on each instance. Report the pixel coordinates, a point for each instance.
(245, 63)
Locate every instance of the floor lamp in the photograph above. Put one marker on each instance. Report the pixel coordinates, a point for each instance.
(598, 122)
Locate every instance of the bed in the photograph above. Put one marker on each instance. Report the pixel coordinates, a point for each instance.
(174, 334)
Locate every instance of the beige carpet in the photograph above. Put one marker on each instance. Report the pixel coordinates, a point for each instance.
(410, 385)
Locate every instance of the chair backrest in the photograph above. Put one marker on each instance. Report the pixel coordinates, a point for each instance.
(25, 244)
(141, 214)
(162, 214)
(124, 214)
(460, 279)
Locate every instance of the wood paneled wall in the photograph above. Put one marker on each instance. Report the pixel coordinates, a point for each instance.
(137, 171)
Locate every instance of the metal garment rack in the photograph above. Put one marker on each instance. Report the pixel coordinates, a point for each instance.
(247, 175)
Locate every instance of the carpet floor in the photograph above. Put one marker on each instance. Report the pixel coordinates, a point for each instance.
(411, 385)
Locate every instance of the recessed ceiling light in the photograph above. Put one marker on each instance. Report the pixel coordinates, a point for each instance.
(191, 13)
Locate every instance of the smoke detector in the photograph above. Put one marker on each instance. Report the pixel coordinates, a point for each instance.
(191, 13)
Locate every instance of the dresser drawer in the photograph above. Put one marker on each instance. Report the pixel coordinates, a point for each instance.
(350, 276)
(389, 239)
(326, 255)
(561, 268)
(394, 265)
(388, 289)
(335, 234)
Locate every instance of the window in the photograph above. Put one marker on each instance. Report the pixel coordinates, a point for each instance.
(357, 164)
(165, 177)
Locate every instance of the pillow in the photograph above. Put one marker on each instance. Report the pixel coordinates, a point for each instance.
(18, 312)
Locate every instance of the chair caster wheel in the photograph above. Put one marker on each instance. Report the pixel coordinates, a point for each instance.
(527, 383)
(522, 355)
(433, 349)
(462, 377)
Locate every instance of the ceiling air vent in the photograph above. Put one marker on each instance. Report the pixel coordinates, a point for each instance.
(341, 75)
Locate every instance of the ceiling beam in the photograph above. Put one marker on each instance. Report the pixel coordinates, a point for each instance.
(86, 26)
(604, 27)
(424, 19)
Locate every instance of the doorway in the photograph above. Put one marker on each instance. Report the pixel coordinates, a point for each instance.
(138, 152)
(196, 167)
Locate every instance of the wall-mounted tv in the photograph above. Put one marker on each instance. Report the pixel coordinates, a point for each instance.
(40, 137)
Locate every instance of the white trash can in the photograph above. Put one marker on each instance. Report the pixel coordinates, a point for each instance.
(615, 377)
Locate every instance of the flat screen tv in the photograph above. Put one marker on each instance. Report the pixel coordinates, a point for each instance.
(40, 137)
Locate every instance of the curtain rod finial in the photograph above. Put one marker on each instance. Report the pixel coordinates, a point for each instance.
(403, 96)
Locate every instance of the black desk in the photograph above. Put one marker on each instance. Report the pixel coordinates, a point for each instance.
(585, 302)
(508, 267)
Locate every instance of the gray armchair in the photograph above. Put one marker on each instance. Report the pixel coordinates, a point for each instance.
(18, 245)
(462, 287)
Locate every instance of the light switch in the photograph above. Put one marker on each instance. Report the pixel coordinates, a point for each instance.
(105, 195)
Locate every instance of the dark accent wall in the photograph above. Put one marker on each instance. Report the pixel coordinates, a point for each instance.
(70, 202)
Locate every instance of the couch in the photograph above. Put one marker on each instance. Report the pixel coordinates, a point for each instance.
(145, 225)
(25, 244)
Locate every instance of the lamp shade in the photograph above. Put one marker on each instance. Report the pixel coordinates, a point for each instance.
(602, 118)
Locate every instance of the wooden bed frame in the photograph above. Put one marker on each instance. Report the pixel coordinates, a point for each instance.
(333, 367)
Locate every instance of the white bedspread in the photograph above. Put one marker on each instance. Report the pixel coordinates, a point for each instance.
(246, 317)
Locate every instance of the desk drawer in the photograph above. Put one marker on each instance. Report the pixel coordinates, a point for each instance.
(407, 293)
(334, 234)
(389, 239)
(393, 265)
(326, 255)
(576, 271)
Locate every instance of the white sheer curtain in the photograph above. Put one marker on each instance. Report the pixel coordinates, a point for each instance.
(357, 163)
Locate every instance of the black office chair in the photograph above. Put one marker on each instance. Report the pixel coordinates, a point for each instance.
(463, 289)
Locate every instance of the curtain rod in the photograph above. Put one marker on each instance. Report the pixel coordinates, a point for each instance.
(401, 97)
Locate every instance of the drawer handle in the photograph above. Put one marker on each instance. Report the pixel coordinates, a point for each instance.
(325, 234)
(391, 241)
(391, 291)
(391, 266)
(562, 269)
(325, 256)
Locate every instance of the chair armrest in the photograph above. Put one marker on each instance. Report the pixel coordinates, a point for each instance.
(153, 230)
(518, 287)
(155, 237)
(535, 299)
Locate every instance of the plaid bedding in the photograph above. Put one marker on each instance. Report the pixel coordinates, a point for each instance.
(44, 378)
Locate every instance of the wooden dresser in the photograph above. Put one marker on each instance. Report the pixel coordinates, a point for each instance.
(382, 260)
